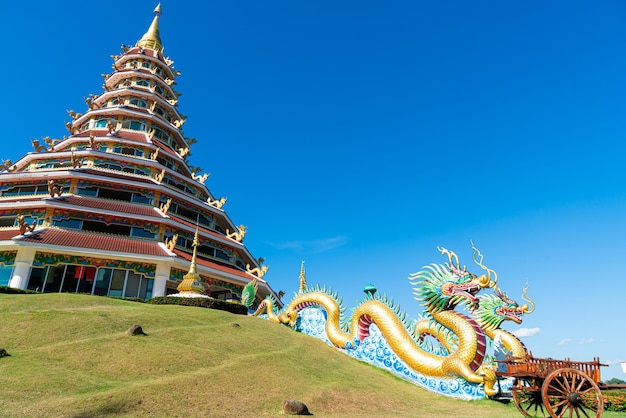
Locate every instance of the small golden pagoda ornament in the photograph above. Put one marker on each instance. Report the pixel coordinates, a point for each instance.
(191, 285)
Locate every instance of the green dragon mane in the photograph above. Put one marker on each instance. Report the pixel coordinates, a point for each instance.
(493, 310)
(428, 287)
(248, 294)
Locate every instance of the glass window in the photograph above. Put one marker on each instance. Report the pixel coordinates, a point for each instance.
(117, 283)
(8, 220)
(101, 286)
(141, 233)
(138, 102)
(145, 290)
(132, 285)
(136, 125)
(141, 198)
(6, 272)
(205, 220)
(206, 250)
(70, 279)
(101, 123)
(142, 82)
(87, 191)
(68, 223)
(221, 254)
(111, 166)
(35, 280)
(97, 226)
(85, 278)
(54, 278)
(115, 194)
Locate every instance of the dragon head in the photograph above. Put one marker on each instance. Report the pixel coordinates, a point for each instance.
(248, 294)
(495, 309)
(443, 287)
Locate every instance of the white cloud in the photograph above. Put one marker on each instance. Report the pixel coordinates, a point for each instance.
(565, 341)
(314, 246)
(526, 332)
(587, 341)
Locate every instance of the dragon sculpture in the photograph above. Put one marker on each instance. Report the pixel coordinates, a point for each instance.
(248, 294)
(461, 338)
(495, 309)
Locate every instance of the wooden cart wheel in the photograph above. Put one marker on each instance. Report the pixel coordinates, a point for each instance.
(527, 397)
(571, 393)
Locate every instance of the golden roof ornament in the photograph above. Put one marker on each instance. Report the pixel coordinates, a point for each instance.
(191, 281)
(152, 39)
(302, 288)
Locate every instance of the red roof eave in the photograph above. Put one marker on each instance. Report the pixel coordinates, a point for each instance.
(219, 267)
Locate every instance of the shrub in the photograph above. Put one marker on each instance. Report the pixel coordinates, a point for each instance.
(14, 291)
(614, 400)
(235, 308)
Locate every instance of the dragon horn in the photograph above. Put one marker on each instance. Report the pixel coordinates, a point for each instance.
(450, 255)
(527, 299)
(485, 280)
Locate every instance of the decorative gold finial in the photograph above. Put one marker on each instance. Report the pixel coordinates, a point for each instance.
(302, 279)
(152, 39)
(191, 280)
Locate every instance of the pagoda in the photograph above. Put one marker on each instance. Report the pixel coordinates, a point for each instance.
(114, 208)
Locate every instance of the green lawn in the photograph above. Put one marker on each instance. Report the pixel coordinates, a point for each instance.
(71, 358)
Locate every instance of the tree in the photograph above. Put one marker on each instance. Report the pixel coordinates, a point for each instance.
(615, 381)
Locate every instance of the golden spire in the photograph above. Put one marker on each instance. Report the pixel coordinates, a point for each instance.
(152, 39)
(191, 280)
(302, 279)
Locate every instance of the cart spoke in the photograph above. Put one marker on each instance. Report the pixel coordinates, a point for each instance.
(562, 385)
(573, 378)
(581, 384)
(584, 412)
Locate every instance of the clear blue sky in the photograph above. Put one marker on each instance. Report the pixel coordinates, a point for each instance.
(360, 135)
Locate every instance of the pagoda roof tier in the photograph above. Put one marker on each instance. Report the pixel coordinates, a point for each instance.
(75, 239)
(126, 73)
(9, 233)
(137, 136)
(216, 266)
(138, 93)
(80, 203)
(150, 55)
(192, 226)
(126, 111)
(106, 205)
(122, 135)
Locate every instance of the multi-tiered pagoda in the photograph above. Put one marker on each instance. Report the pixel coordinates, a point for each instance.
(113, 208)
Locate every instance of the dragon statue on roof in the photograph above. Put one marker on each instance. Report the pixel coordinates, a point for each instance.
(445, 348)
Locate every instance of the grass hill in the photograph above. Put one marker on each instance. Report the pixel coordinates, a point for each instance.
(70, 357)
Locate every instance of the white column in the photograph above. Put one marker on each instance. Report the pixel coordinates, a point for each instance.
(161, 275)
(23, 263)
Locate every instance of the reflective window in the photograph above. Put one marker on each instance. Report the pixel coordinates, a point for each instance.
(6, 272)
